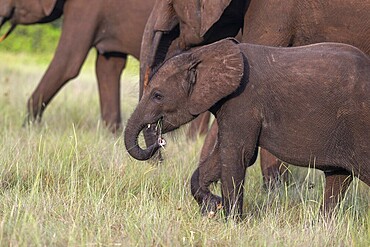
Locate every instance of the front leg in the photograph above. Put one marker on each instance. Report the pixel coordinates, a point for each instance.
(232, 181)
(238, 150)
(64, 66)
(109, 68)
(208, 172)
(75, 42)
(208, 202)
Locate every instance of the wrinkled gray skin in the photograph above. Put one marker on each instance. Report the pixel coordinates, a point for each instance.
(177, 25)
(113, 27)
(307, 105)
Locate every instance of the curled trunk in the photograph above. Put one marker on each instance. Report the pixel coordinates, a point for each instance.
(132, 132)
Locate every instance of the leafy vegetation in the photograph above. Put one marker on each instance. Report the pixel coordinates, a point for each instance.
(68, 181)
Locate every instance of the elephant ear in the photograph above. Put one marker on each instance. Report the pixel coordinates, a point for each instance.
(211, 11)
(48, 6)
(216, 71)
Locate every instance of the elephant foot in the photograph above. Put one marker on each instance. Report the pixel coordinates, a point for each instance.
(210, 205)
(114, 127)
(30, 119)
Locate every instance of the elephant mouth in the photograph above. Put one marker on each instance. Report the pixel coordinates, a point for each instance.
(5, 19)
(158, 127)
(164, 126)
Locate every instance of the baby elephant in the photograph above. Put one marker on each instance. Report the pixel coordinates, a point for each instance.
(309, 106)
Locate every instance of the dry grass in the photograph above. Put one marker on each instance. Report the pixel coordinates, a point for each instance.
(68, 181)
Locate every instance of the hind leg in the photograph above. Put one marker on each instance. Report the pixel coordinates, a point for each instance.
(109, 68)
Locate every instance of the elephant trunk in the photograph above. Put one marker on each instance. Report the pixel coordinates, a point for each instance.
(148, 53)
(132, 132)
(156, 46)
(2, 21)
(12, 27)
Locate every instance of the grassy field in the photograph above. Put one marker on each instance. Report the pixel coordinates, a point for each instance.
(68, 181)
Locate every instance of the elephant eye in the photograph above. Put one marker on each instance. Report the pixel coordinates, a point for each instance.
(157, 96)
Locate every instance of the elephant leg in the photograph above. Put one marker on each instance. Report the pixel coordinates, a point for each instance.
(109, 68)
(232, 182)
(208, 172)
(209, 142)
(208, 202)
(199, 126)
(336, 184)
(73, 47)
(273, 170)
(232, 191)
(57, 75)
(236, 155)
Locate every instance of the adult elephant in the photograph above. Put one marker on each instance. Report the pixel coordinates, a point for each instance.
(113, 27)
(175, 25)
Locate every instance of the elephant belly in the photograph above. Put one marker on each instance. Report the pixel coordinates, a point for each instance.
(327, 146)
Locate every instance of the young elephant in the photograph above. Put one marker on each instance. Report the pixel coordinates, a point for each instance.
(309, 106)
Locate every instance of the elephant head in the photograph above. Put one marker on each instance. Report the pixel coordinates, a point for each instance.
(176, 25)
(182, 88)
(28, 12)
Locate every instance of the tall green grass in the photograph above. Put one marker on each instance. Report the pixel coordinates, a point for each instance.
(68, 181)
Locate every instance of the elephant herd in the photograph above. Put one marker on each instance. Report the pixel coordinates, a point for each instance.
(286, 87)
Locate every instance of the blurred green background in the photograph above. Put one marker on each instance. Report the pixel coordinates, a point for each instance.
(33, 39)
(41, 40)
